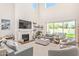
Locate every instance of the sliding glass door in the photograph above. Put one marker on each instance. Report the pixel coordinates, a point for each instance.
(50, 28)
(69, 29)
(66, 27)
(58, 27)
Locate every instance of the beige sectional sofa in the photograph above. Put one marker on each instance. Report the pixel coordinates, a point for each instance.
(72, 51)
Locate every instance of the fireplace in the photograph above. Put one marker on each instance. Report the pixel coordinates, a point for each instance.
(25, 37)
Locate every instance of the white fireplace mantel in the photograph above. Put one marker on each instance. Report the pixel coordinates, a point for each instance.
(20, 32)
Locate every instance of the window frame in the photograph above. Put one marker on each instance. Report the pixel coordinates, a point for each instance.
(63, 25)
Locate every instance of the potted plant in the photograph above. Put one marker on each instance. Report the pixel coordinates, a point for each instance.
(38, 34)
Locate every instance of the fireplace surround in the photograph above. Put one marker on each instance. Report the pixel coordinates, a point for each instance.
(25, 37)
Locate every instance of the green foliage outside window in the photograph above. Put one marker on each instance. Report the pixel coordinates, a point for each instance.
(65, 27)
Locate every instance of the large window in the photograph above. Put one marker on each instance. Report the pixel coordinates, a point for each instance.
(46, 5)
(50, 28)
(58, 27)
(67, 27)
(34, 6)
(50, 5)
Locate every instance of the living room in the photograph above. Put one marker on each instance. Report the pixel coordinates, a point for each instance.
(34, 27)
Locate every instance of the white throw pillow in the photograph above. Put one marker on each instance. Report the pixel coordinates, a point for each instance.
(11, 42)
(42, 38)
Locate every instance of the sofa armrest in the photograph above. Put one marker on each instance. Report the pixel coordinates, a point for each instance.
(11, 54)
(24, 52)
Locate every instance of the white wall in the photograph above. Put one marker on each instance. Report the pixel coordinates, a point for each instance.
(23, 11)
(14, 12)
(7, 12)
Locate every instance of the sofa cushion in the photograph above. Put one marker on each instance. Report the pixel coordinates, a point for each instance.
(42, 41)
(11, 44)
(72, 51)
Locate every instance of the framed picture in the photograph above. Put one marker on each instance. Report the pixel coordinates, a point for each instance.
(5, 24)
